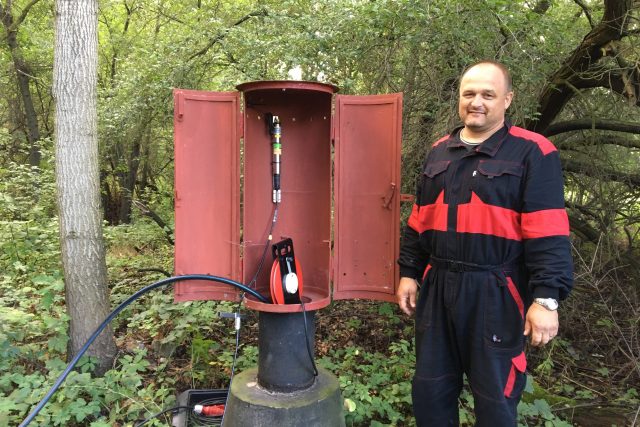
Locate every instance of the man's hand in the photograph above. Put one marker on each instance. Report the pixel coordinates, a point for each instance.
(541, 324)
(406, 294)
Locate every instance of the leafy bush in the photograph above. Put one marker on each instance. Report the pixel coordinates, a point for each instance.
(374, 386)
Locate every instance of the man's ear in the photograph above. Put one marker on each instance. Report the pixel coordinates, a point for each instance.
(508, 99)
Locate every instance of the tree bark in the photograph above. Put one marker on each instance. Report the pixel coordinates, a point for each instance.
(77, 176)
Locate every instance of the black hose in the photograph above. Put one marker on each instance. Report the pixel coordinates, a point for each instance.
(115, 312)
(306, 339)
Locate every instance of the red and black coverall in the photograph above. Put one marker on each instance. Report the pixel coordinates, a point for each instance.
(487, 234)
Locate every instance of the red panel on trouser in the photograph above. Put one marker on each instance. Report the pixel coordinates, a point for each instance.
(545, 223)
(426, 271)
(430, 217)
(516, 295)
(518, 363)
(480, 218)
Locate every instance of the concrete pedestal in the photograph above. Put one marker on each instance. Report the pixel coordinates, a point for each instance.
(250, 405)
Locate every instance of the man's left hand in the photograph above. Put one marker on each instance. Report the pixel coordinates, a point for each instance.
(541, 324)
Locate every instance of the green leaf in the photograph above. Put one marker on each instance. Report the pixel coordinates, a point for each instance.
(543, 409)
(6, 405)
(349, 405)
(528, 388)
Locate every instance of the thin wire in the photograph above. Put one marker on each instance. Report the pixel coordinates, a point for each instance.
(274, 218)
(233, 365)
(252, 284)
(175, 408)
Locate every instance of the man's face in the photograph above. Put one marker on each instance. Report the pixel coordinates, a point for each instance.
(484, 98)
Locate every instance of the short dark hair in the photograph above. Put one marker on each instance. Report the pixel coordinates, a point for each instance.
(499, 65)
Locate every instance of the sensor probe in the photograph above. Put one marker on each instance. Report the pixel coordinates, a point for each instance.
(274, 129)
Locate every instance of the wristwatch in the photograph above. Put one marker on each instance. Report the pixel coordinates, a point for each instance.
(548, 303)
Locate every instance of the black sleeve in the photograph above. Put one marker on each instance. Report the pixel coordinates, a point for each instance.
(545, 229)
(413, 259)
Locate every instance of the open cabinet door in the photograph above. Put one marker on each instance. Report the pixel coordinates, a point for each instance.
(367, 138)
(207, 191)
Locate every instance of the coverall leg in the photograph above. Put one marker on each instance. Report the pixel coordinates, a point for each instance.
(468, 322)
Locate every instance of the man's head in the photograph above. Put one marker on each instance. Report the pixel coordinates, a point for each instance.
(485, 95)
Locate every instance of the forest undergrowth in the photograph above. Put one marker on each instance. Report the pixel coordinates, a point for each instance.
(588, 376)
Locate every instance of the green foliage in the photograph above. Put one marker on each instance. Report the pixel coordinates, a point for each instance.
(375, 386)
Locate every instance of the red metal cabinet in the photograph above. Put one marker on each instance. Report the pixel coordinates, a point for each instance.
(207, 182)
(340, 190)
(367, 141)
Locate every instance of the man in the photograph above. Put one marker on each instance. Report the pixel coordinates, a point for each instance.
(488, 239)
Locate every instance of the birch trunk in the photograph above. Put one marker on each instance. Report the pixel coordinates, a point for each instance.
(77, 172)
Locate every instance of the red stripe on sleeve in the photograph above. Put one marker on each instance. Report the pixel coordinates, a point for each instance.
(543, 143)
(430, 217)
(545, 223)
(480, 218)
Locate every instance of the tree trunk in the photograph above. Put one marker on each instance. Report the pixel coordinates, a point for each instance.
(83, 253)
(573, 74)
(22, 75)
(129, 182)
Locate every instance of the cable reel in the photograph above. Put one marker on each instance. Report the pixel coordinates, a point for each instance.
(286, 274)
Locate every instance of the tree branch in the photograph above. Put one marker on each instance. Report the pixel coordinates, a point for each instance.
(23, 15)
(591, 124)
(558, 91)
(601, 172)
(583, 227)
(154, 270)
(625, 83)
(144, 209)
(222, 35)
(604, 140)
(586, 11)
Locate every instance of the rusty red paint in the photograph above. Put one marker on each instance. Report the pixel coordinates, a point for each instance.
(367, 144)
(207, 176)
(364, 208)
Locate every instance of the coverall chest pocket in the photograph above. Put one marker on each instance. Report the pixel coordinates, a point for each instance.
(498, 182)
(433, 180)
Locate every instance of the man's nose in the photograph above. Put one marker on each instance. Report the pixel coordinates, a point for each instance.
(476, 101)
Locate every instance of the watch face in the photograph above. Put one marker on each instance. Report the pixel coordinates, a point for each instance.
(548, 303)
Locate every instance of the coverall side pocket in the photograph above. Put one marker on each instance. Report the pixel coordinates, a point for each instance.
(504, 315)
(516, 379)
(424, 305)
